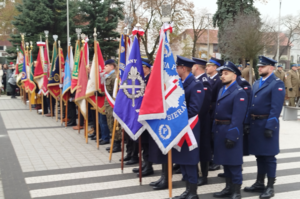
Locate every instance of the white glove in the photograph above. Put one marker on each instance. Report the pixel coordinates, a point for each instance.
(61, 85)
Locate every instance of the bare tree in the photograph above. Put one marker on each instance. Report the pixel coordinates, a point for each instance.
(245, 39)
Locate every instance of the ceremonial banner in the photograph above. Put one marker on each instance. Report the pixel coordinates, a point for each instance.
(122, 54)
(96, 74)
(24, 72)
(31, 84)
(54, 55)
(130, 95)
(39, 69)
(53, 84)
(163, 110)
(76, 67)
(71, 60)
(19, 66)
(67, 81)
(80, 98)
(46, 67)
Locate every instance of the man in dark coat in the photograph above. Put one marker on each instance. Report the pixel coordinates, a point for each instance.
(230, 112)
(216, 84)
(263, 126)
(198, 71)
(194, 96)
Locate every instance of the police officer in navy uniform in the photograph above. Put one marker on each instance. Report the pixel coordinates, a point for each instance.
(198, 71)
(263, 125)
(194, 96)
(230, 112)
(247, 88)
(147, 168)
(216, 84)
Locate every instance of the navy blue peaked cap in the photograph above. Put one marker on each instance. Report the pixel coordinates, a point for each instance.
(216, 61)
(182, 61)
(200, 61)
(264, 61)
(109, 61)
(146, 62)
(231, 67)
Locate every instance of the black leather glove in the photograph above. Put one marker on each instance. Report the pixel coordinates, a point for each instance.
(290, 89)
(268, 133)
(229, 144)
(246, 129)
(101, 94)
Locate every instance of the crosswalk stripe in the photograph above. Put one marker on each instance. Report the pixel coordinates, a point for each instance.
(279, 156)
(134, 182)
(207, 189)
(291, 194)
(109, 172)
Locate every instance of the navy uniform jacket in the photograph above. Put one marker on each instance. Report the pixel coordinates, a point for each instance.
(232, 105)
(216, 85)
(194, 97)
(205, 125)
(247, 88)
(266, 100)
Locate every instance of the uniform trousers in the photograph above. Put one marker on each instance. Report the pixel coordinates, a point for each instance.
(292, 101)
(189, 173)
(266, 165)
(234, 172)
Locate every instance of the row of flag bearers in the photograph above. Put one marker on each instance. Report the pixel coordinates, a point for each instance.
(181, 113)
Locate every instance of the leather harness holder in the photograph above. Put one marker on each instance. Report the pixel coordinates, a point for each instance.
(222, 122)
(259, 117)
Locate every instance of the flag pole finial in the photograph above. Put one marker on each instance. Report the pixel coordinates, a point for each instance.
(59, 43)
(41, 38)
(95, 34)
(22, 35)
(82, 37)
(31, 45)
(46, 33)
(27, 45)
(55, 37)
(78, 31)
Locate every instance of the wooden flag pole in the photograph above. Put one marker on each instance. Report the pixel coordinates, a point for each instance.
(78, 125)
(29, 101)
(122, 148)
(170, 168)
(96, 85)
(140, 159)
(51, 106)
(56, 110)
(87, 122)
(66, 114)
(112, 139)
(42, 104)
(60, 82)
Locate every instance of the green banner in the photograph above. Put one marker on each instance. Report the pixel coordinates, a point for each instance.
(76, 61)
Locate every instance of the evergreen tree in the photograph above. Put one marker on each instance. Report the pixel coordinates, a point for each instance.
(39, 15)
(104, 16)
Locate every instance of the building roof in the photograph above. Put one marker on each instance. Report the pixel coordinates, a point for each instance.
(5, 43)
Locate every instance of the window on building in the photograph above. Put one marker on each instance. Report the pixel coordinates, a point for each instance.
(216, 48)
(1, 47)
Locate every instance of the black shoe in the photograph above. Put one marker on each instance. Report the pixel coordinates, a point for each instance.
(163, 184)
(185, 193)
(192, 192)
(126, 158)
(204, 170)
(269, 191)
(221, 175)
(103, 142)
(226, 192)
(94, 138)
(236, 188)
(176, 166)
(92, 135)
(71, 124)
(133, 160)
(147, 170)
(178, 171)
(107, 148)
(214, 167)
(117, 147)
(258, 186)
(137, 170)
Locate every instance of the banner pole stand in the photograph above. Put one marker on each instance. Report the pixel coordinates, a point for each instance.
(112, 139)
(170, 168)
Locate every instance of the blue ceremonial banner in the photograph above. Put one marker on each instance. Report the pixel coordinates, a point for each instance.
(24, 73)
(130, 95)
(122, 56)
(163, 110)
(67, 77)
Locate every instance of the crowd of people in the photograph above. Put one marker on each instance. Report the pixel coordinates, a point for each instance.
(235, 119)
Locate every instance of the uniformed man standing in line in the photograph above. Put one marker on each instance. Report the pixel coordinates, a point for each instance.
(194, 97)
(216, 84)
(263, 126)
(230, 112)
(198, 71)
(292, 84)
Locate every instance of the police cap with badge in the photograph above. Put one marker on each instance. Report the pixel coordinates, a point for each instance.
(230, 67)
(200, 61)
(266, 61)
(109, 61)
(146, 62)
(215, 61)
(182, 61)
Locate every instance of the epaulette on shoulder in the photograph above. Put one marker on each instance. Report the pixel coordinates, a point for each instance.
(240, 88)
(278, 79)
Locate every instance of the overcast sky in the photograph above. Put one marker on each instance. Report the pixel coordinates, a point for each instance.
(270, 9)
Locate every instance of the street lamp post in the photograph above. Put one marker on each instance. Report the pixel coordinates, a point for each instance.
(278, 36)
